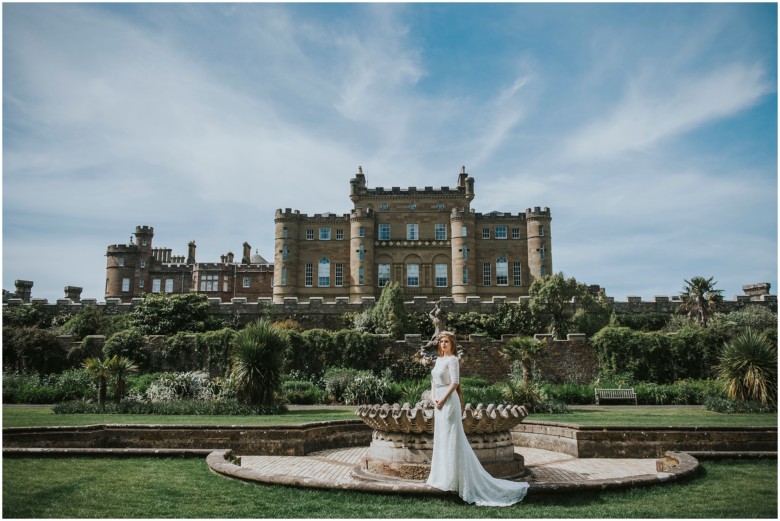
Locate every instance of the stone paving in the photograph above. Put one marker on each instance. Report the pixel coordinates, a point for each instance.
(546, 470)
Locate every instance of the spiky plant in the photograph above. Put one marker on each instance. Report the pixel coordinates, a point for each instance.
(100, 371)
(748, 366)
(524, 350)
(120, 367)
(257, 362)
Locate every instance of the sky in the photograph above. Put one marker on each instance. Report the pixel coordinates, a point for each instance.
(649, 130)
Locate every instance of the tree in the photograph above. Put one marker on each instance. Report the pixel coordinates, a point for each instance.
(748, 365)
(552, 295)
(524, 350)
(257, 362)
(161, 314)
(119, 368)
(100, 370)
(700, 299)
(389, 314)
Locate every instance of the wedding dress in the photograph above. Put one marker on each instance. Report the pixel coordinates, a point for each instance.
(454, 466)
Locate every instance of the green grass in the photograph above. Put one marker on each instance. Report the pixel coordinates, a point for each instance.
(36, 416)
(185, 488)
(657, 416)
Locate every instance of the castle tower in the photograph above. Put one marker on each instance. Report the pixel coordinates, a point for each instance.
(539, 242)
(143, 238)
(361, 254)
(123, 263)
(24, 289)
(464, 254)
(286, 254)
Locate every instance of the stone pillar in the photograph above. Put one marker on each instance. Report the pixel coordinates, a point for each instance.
(73, 293)
(24, 289)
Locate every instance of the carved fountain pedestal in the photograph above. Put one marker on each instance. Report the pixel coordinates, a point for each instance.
(402, 442)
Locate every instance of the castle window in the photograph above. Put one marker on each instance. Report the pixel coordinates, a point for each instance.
(486, 274)
(541, 231)
(361, 274)
(465, 275)
(284, 232)
(324, 234)
(141, 283)
(544, 271)
(209, 283)
(516, 274)
(143, 264)
(502, 272)
(362, 252)
(169, 285)
(155, 285)
(440, 206)
(465, 252)
(308, 275)
(246, 282)
(323, 273)
(339, 275)
(412, 206)
(441, 232)
(412, 232)
(125, 284)
(384, 274)
(284, 252)
(500, 232)
(441, 275)
(384, 232)
(284, 275)
(541, 252)
(309, 235)
(339, 234)
(486, 233)
(143, 242)
(515, 233)
(362, 231)
(121, 260)
(384, 206)
(464, 232)
(413, 275)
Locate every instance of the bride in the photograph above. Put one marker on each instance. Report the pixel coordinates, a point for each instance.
(454, 466)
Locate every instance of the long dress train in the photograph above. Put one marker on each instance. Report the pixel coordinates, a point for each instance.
(454, 466)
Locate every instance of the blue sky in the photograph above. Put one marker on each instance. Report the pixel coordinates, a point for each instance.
(650, 130)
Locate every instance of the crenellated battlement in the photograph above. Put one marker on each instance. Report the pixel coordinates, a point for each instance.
(538, 214)
(500, 216)
(290, 215)
(122, 248)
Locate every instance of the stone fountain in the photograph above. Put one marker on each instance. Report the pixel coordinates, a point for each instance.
(402, 441)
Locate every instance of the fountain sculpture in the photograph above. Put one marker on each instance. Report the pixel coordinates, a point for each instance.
(402, 441)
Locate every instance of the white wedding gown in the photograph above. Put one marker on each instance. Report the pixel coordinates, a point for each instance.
(454, 465)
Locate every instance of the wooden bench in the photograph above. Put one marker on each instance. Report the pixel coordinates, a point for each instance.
(615, 394)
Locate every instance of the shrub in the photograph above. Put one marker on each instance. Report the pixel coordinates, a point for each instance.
(336, 380)
(216, 347)
(188, 407)
(401, 369)
(192, 385)
(180, 353)
(128, 343)
(366, 388)
(748, 366)
(33, 350)
(355, 349)
(518, 392)
(409, 391)
(727, 406)
(389, 315)
(319, 348)
(482, 394)
(161, 314)
(301, 392)
(569, 393)
(550, 406)
(643, 321)
(257, 362)
(27, 315)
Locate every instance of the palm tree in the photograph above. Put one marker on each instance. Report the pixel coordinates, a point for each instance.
(525, 350)
(700, 299)
(257, 362)
(120, 367)
(748, 365)
(100, 371)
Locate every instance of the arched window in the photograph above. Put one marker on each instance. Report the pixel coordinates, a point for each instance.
(502, 272)
(323, 273)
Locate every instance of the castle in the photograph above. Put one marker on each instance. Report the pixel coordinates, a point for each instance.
(428, 240)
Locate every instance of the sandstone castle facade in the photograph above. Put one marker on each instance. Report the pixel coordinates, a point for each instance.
(428, 240)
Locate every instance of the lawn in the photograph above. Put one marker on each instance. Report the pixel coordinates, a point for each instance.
(185, 488)
(35, 416)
